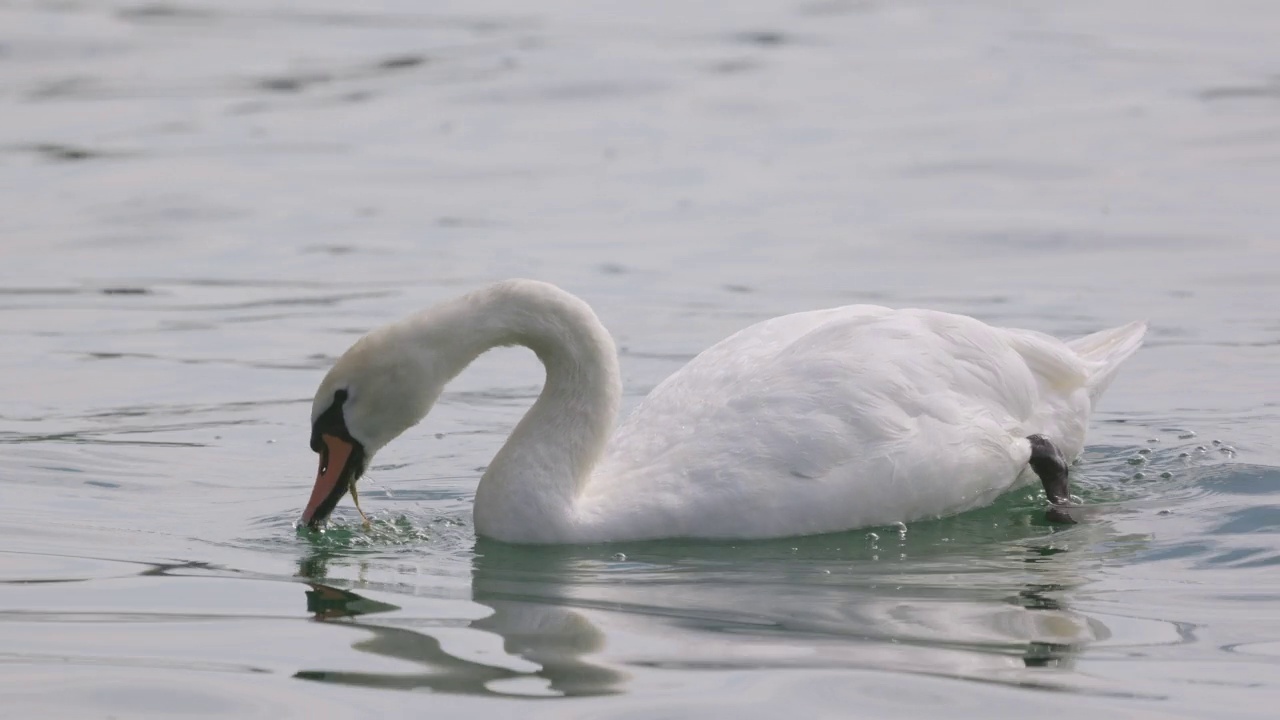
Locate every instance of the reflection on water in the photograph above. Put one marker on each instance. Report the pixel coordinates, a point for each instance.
(544, 605)
(328, 603)
(557, 640)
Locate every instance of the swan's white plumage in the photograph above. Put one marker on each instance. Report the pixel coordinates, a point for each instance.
(813, 422)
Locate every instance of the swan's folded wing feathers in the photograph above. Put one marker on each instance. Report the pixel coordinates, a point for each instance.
(1052, 361)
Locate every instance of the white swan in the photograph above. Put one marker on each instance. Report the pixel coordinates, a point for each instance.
(807, 423)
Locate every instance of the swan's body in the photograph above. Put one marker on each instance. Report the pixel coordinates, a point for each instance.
(807, 423)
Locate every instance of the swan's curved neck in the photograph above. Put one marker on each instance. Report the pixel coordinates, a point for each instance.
(528, 491)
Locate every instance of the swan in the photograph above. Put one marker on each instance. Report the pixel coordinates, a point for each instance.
(809, 423)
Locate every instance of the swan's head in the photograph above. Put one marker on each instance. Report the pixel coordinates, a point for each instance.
(379, 388)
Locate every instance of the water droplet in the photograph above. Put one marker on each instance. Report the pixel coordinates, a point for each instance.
(875, 558)
(872, 537)
(619, 557)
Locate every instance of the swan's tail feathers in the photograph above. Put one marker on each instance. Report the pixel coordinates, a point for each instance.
(1106, 350)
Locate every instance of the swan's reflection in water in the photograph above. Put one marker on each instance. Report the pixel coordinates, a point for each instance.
(549, 608)
(554, 642)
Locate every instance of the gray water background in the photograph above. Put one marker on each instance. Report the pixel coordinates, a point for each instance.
(203, 204)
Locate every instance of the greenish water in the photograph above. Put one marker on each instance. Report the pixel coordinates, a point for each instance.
(203, 205)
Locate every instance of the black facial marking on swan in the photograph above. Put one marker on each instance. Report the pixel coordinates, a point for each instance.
(331, 422)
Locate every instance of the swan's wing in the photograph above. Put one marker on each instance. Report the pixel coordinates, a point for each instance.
(827, 420)
(1053, 363)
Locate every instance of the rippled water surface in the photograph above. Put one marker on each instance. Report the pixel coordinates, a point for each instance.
(205, 203)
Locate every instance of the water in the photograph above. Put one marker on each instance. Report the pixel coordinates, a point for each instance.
(203, 204)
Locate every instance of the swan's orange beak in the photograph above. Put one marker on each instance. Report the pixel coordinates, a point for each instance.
(332, 480)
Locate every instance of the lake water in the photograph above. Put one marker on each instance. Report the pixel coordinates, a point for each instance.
(205, 203)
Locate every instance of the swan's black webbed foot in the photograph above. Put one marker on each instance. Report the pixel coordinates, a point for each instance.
(1047, 462)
